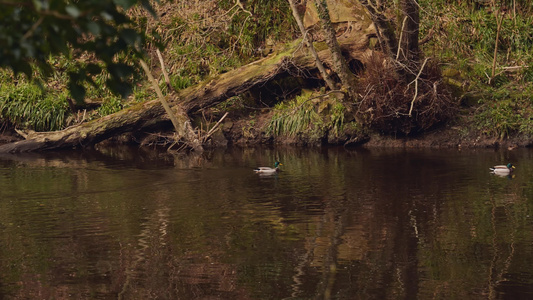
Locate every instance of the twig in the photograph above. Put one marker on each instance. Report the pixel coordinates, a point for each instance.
(33, 28)
(165, 74)
(416, 86)
(22, 133)
(161, 97)
(400, 39)
(499, 21)
(215, 127)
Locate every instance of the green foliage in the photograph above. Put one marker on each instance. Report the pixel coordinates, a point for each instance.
(337, 117)
(180, 82)
(505, 112)
(234, 103)
(31, 32)
(27, 106)
(466, 43)
(214, 37)
(307, 117)
(110, 105)
(293, 117)
(471, 34)
(499, 119)
(269, 19)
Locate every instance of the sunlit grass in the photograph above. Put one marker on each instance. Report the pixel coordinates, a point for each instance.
(28, 106)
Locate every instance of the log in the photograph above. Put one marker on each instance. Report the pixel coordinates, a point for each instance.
(192, 99)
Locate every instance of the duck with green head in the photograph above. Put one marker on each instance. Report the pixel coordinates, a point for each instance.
(268, 170)
(503, 169)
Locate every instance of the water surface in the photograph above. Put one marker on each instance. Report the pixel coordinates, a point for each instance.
(124, 223)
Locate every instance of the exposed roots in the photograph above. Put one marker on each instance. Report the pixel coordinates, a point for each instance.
(390, 105)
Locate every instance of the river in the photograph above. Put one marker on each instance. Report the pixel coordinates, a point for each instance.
(128, 223)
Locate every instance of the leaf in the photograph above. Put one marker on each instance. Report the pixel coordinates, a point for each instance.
(107, 16)
(93, 28)
(130, 36)
(126, 4)
(41, 5)
(73, 11)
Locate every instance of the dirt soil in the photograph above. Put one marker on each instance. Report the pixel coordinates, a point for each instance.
(247, 132)
(241, 132)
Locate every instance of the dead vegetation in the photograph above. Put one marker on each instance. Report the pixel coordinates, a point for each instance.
(391, 106)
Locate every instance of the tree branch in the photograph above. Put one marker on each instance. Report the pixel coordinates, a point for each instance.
(309, 44)
(416, 86)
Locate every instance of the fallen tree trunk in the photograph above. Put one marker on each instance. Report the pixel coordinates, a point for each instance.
(191, 100)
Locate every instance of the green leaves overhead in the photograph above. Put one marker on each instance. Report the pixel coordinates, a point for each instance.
(126, 4)
(32, 31)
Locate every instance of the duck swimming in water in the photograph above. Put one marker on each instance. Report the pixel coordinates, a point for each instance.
(503, 169)
(269, 170)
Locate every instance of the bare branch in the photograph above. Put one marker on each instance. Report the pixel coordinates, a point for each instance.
(309, 44)
(416, 86)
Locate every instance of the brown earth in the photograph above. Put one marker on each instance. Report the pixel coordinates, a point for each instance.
(452, 135)
(244, 132)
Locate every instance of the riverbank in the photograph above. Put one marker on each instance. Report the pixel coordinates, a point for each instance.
(240, 132)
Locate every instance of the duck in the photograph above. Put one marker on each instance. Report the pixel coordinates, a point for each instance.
(503, 169)
(268, 170)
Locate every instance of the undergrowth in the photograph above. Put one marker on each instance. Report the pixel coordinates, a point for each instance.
(307, 116)
(204, 38)
(465, 44)
(28, 106)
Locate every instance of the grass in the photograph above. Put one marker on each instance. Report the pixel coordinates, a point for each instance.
(28, 106)
(307, 115)
(216, 36)
(465, 45)
(293, 117)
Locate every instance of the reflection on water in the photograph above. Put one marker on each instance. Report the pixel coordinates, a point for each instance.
(124, 223)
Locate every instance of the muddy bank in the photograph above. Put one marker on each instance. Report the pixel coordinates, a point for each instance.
(446, 138)
(250, 133)
(241, 133)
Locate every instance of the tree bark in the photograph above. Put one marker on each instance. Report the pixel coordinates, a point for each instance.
(339, 64)
(191, 100)
(385, 29)
(401, 48)
(309, 44)
(409, 52)
(410, 32)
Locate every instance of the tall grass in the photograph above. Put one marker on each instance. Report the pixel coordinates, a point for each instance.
(27, 106)
(307, 116)
(292, 117)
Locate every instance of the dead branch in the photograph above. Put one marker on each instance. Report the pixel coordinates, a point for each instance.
(416, 86)
(164, 69)
(215, 127)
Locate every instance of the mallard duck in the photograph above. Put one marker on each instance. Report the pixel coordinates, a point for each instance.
(269, 170)
(503, 169)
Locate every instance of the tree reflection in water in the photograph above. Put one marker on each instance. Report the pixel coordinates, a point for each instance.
(335, 224)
